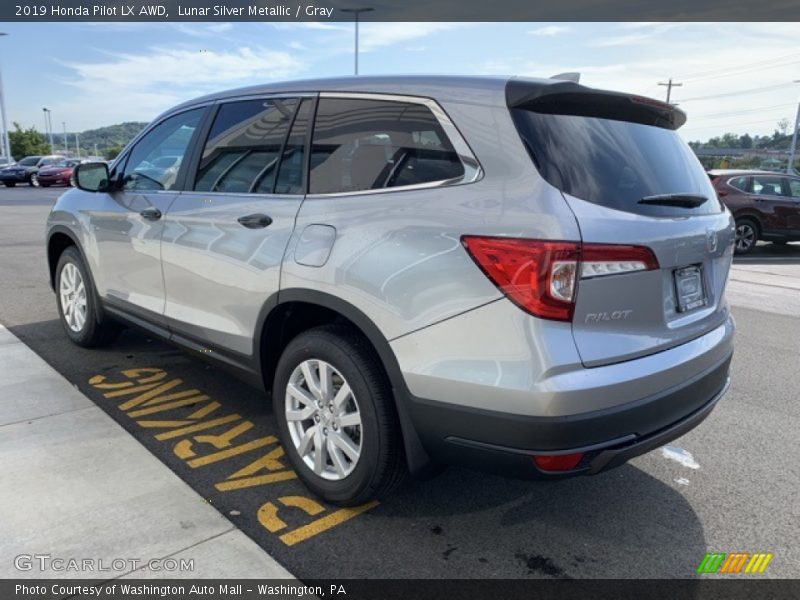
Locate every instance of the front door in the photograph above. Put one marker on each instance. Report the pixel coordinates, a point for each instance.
(224, 238)
(127, 229)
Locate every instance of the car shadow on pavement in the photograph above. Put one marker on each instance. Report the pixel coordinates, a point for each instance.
(462, 523)
(768, 253)
(622, 523)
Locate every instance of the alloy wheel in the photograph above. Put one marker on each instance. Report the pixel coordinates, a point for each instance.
(745, 236)
(35, 180)
(72, 292)
(323, 419)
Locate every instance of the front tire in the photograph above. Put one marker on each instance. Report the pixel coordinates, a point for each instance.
(746, 236)
(76, 300)
(336, 417)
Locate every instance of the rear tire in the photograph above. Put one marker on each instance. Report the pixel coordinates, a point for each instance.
(34, 180)
(746, 236)
(10, 183)
(342, 437)
(76, 301)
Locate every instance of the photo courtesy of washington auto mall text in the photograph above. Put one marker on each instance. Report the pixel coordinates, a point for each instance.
(399, 299)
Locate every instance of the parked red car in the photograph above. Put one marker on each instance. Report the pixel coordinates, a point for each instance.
(59, 173)
(765, 204)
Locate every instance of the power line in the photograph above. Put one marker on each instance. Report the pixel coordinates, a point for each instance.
(760, 90)
(741, 71)
(727, 124)
(701, 74)
(742, 112)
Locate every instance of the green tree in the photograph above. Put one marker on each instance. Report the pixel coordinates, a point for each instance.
(113, 152)
(27, 142)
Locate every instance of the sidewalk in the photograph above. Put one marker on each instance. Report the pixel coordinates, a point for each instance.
(75, 485)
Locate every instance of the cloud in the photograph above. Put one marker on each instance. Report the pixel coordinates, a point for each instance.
(549, 30)
(220, 27)
(145, 84)
(378, 35)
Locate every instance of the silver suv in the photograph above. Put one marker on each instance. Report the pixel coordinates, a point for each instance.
(525, 275)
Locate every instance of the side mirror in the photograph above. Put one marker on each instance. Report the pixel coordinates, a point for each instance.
(92, 177)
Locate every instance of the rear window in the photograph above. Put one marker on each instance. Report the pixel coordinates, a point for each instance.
(614, 163)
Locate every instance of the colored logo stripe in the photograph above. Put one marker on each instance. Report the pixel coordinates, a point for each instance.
(720, 562)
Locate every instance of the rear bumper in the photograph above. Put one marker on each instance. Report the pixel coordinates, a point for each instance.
(610, 437)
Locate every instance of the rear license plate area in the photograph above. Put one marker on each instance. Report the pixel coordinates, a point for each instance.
(689, 288)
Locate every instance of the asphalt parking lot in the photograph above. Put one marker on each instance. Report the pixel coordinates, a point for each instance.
(730, 485)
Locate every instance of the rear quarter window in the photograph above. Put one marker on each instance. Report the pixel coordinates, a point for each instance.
(363, 144)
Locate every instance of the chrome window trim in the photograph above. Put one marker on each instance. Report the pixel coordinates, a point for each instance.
(473, 171)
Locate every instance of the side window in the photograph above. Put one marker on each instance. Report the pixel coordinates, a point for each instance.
(154, 162)
(794, 187)
(243, 147)
(292, 169)
(740, 183)
(375, 144)
(767, 185)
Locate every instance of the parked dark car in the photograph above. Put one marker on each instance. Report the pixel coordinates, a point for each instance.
(23, 171)
(58, 174)
(765, 204)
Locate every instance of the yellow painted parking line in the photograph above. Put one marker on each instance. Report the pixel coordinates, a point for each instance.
(236, 450)
(167, 406)
(336, 518)
(246, 482)
(142, 398)
(168, 435)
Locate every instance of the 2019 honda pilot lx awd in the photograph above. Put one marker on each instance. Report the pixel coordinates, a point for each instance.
(518, 274)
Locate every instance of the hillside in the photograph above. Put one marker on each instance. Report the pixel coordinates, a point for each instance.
(102, 138)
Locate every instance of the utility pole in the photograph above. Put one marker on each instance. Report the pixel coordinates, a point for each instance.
(77, 145)
(669, 85)
(66, 146)
(790, 166)
(356, 12)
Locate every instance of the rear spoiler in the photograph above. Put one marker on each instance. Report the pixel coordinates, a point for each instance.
(568, 98)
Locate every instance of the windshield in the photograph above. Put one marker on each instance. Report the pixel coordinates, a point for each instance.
(29, 161)
(615, 163)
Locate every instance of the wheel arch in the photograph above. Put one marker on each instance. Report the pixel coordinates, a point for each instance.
(59, 238)
(292, 311)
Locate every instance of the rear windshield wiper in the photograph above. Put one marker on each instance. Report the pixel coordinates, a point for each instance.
(679, 200)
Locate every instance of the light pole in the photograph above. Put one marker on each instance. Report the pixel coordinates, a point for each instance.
(6, 144)
(77, 145)
(790, 166)
(48, 126)
(66, 147)
(356, 12)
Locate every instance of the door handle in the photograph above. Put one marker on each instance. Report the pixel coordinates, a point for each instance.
(256, 221)
(151, 214)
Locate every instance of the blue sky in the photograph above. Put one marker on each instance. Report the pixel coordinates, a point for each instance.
(94, 74)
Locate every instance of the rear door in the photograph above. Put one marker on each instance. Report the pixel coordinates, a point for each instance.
(772, 196)
(225, 236)
(631, 181)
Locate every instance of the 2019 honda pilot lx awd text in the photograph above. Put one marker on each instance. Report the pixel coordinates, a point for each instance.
(524, 275)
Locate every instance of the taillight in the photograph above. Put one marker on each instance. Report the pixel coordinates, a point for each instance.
(540, 276)
(606, 259)
(537, 275)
